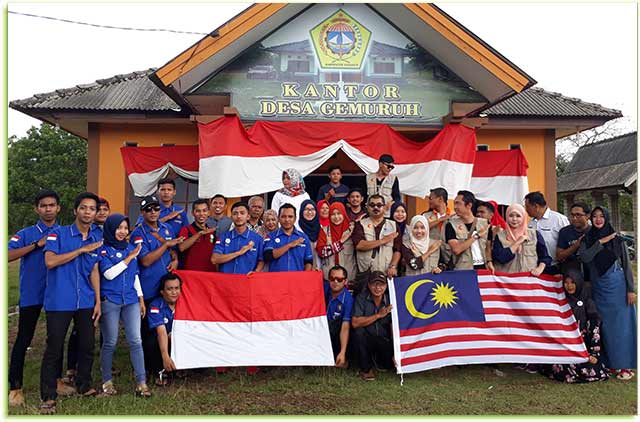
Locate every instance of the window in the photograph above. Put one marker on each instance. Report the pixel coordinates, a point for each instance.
(298, 66)
(514, 146)
(482, 147)
(384, 68)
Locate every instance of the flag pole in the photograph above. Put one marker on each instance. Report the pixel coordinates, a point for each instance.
(395, 328)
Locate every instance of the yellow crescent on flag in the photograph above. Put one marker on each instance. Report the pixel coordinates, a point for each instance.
(408, 300)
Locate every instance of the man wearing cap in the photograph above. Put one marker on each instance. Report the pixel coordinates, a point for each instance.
(371, 322)
(174, 216)
(384, 183)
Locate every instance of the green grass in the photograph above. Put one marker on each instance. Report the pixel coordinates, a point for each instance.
(471, 390)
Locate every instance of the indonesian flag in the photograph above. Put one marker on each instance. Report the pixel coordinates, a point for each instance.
(500, 176)
(263, 319)
(236, 162)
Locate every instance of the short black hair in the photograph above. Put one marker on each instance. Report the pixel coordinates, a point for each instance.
(440, 193)
(339, 268)
(376, 195)
(335, 167)
(385, 158)
(586, 208)
(487, 205)
(199, 201)
(85, 195)
(167, 181)
(169, 277)
(46, 193)
(355, 190)
(240, 204)
(536, 198)
(467, 197)
(219, 195)
(287, 207)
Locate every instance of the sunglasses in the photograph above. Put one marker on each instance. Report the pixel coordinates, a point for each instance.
(337, 279)
(149, 209)
(376, 205)
(389, 166)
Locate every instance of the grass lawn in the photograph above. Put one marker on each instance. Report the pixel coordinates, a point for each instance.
(471, 390)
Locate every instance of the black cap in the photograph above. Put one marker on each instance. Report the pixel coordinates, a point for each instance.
(378, 277)
(148, 200)
(386, 158)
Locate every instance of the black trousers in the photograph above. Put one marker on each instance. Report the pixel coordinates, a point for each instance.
(149, 342)
(372, 349)
(27, 321)
(57, 326)
(153, 356)
(72, 350)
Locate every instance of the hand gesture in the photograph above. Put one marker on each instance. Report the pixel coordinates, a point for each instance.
(608, 238)
(298, 241)
(91, 247)
(206, 231)
(384, 311)
(246, 248)
(173, 215)
(173, 242)
(389, 238)
(134, 253)
(388, 205)
(484, 231)
(523, 238)
(331, 193)
(42, 242)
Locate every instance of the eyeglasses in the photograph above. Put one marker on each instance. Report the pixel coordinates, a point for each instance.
(337, 279)
(389, 166)
(572, 215)
(376, 205)
(309, 210)
(149, 209)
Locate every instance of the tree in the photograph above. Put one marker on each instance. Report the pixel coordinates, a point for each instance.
(47, 158)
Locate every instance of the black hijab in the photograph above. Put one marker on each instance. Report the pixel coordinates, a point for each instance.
(584, 309)
(394, 207)
(109, 231)
(310, 227)
(611, 250)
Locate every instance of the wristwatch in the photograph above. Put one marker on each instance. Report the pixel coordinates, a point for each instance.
(391, 266)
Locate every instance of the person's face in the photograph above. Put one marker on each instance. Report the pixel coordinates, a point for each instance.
(335, 176)
(102, 214)
(377, 289)
(122, 231)
(217, 204)
(419, 231)
(201, 213)
(240, 215)
(570, 285)
(171, 291)
(460, 207)
(309, 212)
(375, 207)
(324, 210)
(355, 199)
(336, 217)
(47, 209)
(151, 213)
(286, 180)
(385, 168)
(166, 192)
(270, 222)
(287, 218)
(434, 201)
(256, 209)
(530, 208)
(597, 218)
(86, 211)
(400, 215)
(337, 280)
(578, 218)
(484, 212)
(514, 219)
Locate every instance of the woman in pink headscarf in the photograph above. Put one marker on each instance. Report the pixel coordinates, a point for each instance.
(519, 249)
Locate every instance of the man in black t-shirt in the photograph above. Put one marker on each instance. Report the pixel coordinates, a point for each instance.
(570, 237)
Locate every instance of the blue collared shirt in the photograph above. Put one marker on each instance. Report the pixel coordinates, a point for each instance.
(295, 258)
(150, 276)
(160, 314)
(69, 285)
(338, 309)
(175, 224)
(232, 241)
(119, 290)
(33, 272)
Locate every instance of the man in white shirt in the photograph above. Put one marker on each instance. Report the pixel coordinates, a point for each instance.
(545, 220)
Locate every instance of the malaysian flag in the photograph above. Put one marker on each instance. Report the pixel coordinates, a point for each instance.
(469, 317)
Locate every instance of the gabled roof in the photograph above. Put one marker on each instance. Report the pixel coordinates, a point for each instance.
(608, 163)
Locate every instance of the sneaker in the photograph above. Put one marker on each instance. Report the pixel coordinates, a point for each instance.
(64, 390)
(368, 376)
(16, 398)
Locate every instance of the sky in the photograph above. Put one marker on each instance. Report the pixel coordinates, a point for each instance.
(586, 50)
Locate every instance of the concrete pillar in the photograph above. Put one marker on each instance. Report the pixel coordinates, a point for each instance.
(567, 200)
(614, 210)
(597, 198)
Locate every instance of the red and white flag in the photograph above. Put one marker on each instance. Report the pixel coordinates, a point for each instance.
(263, 319)
(500, 176)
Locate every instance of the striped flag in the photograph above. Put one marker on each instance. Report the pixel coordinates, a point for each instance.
(470, 317)
(500, 176)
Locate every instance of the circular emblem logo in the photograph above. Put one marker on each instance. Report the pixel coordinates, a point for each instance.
(277, 240)
(579, 303)
(340, 38)
(118, 255)
(166, 231)
(166, 320)
(227, 241)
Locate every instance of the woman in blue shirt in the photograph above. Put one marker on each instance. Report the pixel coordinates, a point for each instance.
(122, 299)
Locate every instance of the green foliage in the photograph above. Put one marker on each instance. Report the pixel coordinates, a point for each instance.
(47, 158)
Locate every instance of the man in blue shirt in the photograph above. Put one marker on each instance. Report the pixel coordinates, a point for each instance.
(339, 303)
(27, 245)
(287, 248)
(239, 251)
(174, 216)
(334, 191)
(72, 292)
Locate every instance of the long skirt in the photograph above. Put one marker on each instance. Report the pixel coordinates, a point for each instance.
(618, 319)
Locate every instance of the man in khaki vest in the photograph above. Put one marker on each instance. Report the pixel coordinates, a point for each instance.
(377, 241)
(384, 183)
(467, 235)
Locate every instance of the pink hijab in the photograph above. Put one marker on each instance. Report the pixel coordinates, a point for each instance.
(514, 234)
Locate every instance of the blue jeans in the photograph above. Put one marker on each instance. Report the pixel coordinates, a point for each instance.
(130, 316)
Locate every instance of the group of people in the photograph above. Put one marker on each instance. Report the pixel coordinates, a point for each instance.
(102, 270)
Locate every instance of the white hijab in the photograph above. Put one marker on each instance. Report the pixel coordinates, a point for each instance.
(418, 246)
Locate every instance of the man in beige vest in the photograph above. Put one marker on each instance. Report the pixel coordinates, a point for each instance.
(384, 183)
(467, 236)
(377, 241)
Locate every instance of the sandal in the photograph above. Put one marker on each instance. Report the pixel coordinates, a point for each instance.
(108, 389)
(162, 381)
(48, 407)
(142, 390)
(89, 393)
(625, 374)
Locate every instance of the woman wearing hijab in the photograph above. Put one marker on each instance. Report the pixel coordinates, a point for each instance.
(293, 192)
(607, 259)
(335, 246)
(586, 314)
(122, 300)
(519, 249)
(398, 214)
(310, 225)
(323, 213)
(420, 254)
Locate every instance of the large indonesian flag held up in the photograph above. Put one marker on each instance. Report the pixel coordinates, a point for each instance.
(236, 163)
(263, 319)
(500, 176)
